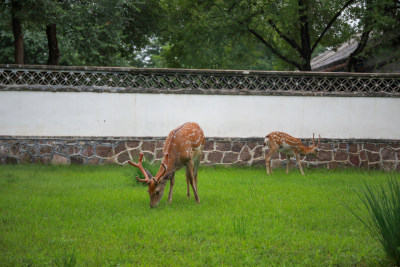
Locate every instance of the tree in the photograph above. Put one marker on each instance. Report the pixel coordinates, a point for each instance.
(378, 18)
(292, 30)
(16, 10)
(80, 32)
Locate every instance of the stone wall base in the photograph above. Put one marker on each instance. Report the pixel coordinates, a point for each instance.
(333, 154)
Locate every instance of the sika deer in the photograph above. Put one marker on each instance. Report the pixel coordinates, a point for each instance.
(183, 147)
(289, 145)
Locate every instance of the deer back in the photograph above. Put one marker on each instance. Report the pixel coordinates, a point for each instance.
(182, 144)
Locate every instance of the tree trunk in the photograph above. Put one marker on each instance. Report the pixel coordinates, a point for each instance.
(17, 31)
(54, 52)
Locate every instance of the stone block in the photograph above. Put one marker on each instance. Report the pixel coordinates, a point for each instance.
(119, 148)
(209, 146)
(373, 157)
(59, 160)
(251, 145)
(325, 147)
(60, 149)
(237, 147)
(363, 155)
(159, 153)
(88, 151)
(73, 149)
(230, 157)
(310, 158)
(133, 144)
(341, 155)
(276, 163)
(77, 160)
(123, 157)
(225, 146)
(245, 154)
(94, 161)
(104, 151)
(334, 165)
(46, 150)
(355, 160)
(325, 155)
(258, 152)
(371, 147)
(25, 158)
(134, 154)
(159, 144)
(14, 149)
(388, 154)
(353, 148)
(3, 150)
(343, 146)
(215, 157)
(148, 146)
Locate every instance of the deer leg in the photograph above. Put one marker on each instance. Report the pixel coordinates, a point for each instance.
(171, 186)
(268, 158)
(187, 183)
(298, 162)
(287, 163)
(190, 171)
(268, 163)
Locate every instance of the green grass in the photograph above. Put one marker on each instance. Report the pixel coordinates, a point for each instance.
(91, 215)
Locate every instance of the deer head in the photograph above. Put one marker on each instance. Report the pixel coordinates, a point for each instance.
(313, 149)
(157, 183)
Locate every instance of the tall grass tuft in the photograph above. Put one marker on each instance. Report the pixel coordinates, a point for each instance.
(383, 207)
(67, 259)
(133, 171)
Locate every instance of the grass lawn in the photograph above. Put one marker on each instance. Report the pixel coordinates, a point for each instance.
(98, 215)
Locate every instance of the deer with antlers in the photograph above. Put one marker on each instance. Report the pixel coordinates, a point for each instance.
(183, 147)
(289, 145)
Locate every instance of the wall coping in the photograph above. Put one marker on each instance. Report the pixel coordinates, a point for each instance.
(196, 81)
(218, 139)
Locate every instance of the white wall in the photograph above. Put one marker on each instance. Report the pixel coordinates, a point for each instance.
(27, 113)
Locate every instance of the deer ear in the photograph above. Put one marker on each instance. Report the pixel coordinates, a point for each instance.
(148, 173)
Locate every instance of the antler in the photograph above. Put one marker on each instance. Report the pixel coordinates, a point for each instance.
(313, 141)
(164, 166)
(140, 167)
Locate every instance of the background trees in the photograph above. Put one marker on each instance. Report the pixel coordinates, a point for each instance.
(232, 34)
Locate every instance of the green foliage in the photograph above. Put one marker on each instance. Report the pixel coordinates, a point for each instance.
(133, 171)
(92, 215)
(383, 205)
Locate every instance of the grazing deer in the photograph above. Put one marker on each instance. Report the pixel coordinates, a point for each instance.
(183, 147)
(289, 145)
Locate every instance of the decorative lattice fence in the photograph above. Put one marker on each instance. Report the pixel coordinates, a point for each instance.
(13, 77)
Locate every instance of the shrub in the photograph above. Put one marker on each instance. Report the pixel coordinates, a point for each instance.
(383, 207)
(133, 171)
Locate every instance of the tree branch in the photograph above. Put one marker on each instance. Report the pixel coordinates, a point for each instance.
(291, 42)
(329, 25)
(275, 51)
(360, 47)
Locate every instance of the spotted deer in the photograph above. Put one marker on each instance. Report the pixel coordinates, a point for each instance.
(289, 145)
(183, 147)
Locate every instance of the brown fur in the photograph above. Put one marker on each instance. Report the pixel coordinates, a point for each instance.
(183, 147)
(289, 145)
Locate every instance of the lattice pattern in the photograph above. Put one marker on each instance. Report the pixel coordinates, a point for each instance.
(189, 80)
